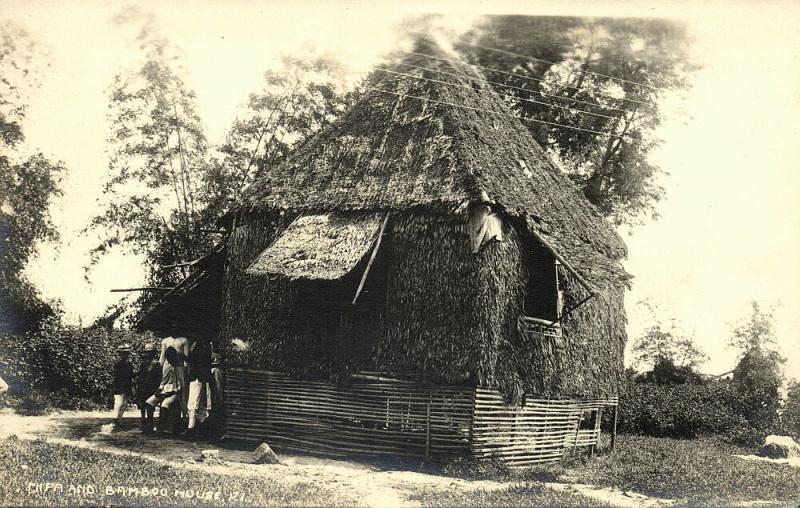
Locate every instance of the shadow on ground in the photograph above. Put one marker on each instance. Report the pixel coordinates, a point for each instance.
(128, 437)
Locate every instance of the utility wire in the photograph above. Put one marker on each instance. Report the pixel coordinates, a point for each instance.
(497, 50)
(523, 89)
(449, 83)
(491, 69)
(555, 124)
(535, 59)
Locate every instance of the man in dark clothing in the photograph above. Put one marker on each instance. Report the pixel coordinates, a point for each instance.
(148, 381)
(199, 376)
(123, 382)
(213, 426)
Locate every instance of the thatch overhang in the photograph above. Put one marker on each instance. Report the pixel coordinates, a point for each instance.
(319, 246)
(413, 143)
(192, 307)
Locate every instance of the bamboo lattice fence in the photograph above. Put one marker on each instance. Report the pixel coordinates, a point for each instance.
(540, 430)
(385, 416)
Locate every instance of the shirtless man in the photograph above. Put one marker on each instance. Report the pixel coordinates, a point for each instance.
(181, 345)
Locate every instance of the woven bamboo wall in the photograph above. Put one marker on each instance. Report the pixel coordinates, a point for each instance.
(369, 416)
(538, 431)
(379, 416)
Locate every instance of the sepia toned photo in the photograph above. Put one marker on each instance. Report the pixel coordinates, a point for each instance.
(272, 253)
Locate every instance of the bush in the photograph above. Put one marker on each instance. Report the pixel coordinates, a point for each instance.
(71, 366)
(689, 411)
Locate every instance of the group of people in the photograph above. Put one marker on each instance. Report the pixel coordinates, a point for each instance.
(185, 381)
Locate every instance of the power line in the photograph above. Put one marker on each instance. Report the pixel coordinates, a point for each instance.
(556, 63)
(555, 124)
(535, 59)
(491, 69)
(523, 89)
(498, 94)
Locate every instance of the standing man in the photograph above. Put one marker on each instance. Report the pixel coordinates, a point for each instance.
(213, 426)
(148, 383)
(123, 382)
(199, 377)
(3, 387)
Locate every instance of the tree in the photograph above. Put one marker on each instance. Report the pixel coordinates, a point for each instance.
(603, 75)
(166, 189)
(791, 410)
(758, 375)
(157, 187)
(28, 185)
(666, 353)
(295, 101)
(669, 354)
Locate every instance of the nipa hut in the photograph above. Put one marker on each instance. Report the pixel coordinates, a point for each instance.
(417, 279)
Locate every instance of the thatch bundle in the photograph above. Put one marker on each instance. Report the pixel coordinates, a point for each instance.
(319, 247)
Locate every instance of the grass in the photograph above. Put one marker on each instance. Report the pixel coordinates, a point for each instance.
(529, 494)
(693, 472)
(37, 473)
(699, 472)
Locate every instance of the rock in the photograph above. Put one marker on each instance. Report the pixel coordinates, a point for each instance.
(209, 457)
(779, 447)
(264, 455)
(209, 454)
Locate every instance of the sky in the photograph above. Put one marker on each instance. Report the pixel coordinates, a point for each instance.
(729, 228)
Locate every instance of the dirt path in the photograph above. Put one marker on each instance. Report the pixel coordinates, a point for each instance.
(371, 484)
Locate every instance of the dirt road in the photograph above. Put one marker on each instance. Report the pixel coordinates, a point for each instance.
(371, 483)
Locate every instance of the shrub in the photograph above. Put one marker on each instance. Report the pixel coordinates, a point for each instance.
(73, 366)
(689, 411)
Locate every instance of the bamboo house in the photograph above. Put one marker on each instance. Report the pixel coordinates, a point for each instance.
(419, 279)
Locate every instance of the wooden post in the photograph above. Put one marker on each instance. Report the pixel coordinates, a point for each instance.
(598, 414)
(428, 428)
(472, 421)
(614, 428)
(371, 259)
(266, 406)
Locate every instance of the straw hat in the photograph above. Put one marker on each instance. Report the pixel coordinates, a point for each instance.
(149, 347)
(124, 348)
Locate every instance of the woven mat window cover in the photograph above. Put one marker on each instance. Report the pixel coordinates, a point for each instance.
(319, 247)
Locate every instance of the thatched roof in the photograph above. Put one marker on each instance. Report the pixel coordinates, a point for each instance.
(319, 247)
(393, 152)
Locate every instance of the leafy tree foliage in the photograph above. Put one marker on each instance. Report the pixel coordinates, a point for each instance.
(157, 188)
(166, 187)
(28, 185)
(294, 101)
(667, 353)
(614, 71)
(758, 374)
(791, 410)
